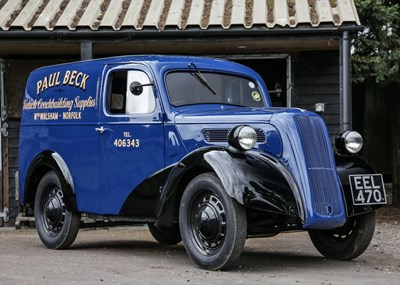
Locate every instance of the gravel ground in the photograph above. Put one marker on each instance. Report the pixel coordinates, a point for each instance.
(386, 241)
(129, 255)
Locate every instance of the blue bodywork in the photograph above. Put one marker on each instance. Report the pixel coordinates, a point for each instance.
(66, 127)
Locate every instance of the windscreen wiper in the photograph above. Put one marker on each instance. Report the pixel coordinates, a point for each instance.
(201, 78)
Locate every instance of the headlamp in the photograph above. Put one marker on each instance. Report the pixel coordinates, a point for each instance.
(350, 142)
(242, 137)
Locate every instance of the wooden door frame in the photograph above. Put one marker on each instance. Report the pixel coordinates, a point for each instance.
(1, 138)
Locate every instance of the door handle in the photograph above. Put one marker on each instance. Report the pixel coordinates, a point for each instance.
(101, 129)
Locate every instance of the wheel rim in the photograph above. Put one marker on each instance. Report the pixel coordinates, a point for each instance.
(207, 222)
(53, 210)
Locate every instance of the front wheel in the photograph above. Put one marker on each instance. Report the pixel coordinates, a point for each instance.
(348, 241)
(57, 227)
(213, 225)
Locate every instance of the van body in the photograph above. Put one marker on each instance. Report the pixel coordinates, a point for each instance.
(192, 147)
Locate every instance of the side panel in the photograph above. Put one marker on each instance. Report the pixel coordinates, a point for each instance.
(123, 168)
(62, 95)
(132, 143)
(81, 156)
(60, 114)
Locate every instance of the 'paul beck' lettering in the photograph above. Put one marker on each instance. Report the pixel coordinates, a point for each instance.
(75, 78)
(48, 82)
(71, 78)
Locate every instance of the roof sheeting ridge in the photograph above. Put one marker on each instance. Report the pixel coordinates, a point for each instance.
(178, 14)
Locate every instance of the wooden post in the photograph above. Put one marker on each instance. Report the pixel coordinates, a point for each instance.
(1, 193)
(86, 50)
(396, 147)
(1, 136)
(5, 173)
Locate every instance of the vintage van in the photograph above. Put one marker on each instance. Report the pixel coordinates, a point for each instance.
(193, 148)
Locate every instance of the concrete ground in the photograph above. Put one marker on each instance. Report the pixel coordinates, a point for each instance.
(129, 255)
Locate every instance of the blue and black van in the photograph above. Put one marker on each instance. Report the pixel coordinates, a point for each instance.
(193, 148)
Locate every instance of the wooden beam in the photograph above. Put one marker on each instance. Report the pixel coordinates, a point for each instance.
(395, 149)
(1, 196)
(5, 174)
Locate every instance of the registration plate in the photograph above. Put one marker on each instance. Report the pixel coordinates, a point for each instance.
(367, 189)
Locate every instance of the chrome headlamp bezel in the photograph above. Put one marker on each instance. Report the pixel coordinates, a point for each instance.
(349, 142)
(242, 137)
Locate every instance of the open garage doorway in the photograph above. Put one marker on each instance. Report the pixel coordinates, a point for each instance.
(275, 69)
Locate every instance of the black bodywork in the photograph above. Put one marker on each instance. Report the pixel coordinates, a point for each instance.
(350, 164)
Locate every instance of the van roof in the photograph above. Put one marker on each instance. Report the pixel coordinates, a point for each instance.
(157, 61)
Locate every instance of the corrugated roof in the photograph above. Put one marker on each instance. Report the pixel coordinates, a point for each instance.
(177, 14)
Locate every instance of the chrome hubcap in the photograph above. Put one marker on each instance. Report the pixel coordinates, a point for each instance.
(54, 211)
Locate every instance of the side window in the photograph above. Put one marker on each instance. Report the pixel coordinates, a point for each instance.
(117, 93)
(130, 92)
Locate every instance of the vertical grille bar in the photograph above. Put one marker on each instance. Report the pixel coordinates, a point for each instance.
(320, 165)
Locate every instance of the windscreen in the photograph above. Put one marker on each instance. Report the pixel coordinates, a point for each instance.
(191, 88)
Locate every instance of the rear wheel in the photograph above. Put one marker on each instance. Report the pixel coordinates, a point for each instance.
(348, 241)
(57, 227)
(169, 236)
(213, 225)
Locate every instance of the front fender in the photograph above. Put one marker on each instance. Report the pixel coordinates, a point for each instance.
(351, 165)
(252, 178)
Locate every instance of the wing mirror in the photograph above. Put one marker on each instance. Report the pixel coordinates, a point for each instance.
(136, 87)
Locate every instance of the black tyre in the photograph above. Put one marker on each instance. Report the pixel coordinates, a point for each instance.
(213, 225)
(348, 241)
(168, 236)
(57, 227)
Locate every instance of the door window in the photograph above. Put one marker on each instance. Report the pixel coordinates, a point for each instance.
(130, 92)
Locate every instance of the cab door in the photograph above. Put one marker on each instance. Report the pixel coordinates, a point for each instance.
(131, 143)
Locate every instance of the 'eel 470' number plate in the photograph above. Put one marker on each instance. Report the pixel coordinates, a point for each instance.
(367, 189)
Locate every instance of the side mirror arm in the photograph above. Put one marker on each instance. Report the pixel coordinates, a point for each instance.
(136, 87)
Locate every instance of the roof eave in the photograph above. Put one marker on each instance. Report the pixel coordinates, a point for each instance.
(189, 32)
